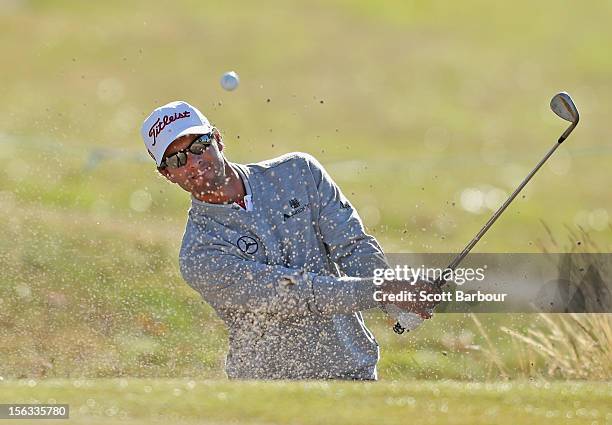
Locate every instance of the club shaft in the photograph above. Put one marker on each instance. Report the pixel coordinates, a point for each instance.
(499, 212)
(567, 132)
(398, 328)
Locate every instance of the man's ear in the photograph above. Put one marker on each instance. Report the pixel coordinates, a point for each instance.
(219, 139)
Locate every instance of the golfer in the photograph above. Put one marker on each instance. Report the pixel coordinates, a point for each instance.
(277, 250)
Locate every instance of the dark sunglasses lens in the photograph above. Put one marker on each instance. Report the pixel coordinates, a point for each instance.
(182, 158)
(199, 147)
(176, 160)
(179, 159)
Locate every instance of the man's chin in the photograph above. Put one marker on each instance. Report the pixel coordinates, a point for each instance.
(202, 185)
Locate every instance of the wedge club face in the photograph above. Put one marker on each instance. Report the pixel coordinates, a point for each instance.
(563, 105)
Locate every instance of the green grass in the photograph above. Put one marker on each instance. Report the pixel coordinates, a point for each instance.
(188, 401)
(398, 102)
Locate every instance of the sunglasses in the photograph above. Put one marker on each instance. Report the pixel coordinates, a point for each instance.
(179, 159)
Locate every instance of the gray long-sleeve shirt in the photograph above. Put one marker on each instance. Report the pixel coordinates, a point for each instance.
(289, 276)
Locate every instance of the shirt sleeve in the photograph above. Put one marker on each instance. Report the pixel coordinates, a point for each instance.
(354, 251)
(227, 280)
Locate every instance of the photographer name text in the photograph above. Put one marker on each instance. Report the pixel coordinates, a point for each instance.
(425, 296)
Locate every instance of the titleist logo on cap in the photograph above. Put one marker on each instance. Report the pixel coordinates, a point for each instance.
(161, 123)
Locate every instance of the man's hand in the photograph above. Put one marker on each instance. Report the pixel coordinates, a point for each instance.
(423, 308)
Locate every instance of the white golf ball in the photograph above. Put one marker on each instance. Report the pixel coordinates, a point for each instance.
(230, 80)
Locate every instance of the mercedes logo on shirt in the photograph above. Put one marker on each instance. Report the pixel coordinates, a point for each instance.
(247, 244)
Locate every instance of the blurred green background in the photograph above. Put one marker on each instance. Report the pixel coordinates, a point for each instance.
(426, 113)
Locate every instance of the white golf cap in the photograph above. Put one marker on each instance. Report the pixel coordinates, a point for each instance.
(169, 122)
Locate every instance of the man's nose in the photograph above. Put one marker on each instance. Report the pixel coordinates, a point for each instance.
(194, 160)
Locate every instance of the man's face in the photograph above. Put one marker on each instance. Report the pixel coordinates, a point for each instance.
(202, 173)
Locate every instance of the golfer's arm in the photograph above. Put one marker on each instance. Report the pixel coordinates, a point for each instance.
(358, 255)
(354, 251)
(226, 280)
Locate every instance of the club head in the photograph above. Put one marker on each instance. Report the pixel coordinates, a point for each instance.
(563, 105)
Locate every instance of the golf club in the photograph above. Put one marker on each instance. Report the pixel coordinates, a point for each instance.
(562, 105)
